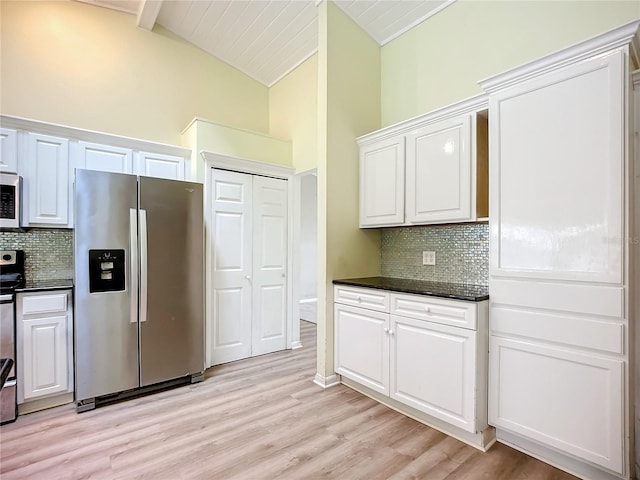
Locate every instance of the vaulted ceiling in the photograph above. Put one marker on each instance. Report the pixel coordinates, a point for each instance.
(266, 39)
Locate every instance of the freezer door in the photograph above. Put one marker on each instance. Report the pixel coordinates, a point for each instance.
(106, 324)
(171, 280)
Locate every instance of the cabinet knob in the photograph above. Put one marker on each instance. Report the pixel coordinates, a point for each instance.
(386, 330)
(427, 309)
(391, 332)
(359, 299)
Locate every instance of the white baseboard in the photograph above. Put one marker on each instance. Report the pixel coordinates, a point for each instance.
(296, 344)
(326, 382)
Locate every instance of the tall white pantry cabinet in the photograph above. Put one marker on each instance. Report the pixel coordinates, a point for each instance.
(561, 256)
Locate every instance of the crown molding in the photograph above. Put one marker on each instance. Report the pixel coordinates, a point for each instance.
(80, 134)
(226, 162)
(623, 36)
(472, 104)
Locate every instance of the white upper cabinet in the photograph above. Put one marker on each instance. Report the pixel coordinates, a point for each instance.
(430, 169)
(104, 158)
(8, 150)
(438, 184)
(558, 205)
(46, 181)
(382, 183)
(161, 166)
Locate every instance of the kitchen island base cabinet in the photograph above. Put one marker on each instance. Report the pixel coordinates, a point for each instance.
(410, 353)
(44, 349)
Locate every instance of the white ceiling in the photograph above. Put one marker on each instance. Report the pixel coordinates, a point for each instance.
(266, 39)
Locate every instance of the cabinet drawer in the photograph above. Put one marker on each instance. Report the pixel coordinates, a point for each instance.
(369, 298)
(35, 304)
(446, 312)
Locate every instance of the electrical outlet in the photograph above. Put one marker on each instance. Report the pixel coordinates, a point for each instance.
(428, 258)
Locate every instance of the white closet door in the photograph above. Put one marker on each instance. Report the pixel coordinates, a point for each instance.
(231, 231)
(269, 265)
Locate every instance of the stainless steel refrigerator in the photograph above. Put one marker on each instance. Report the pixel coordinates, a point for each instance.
(139, 284)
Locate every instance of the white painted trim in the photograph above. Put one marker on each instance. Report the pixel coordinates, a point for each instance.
(147, 15)
(602, 44)
(92, 136)
(295, 345)
(119, 6)
(416, 23)
(326, 382)
(309, 300)
(472, 104)
(307, 57)
(552, 457)
(482, 441)
(227, 162)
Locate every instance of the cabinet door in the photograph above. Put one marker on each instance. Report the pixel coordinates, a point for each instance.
(44, 356)
(8, 150)
(433, 369)
(382, 183)
(438, 166)
(104, 158)
(362, 346)
(46, 181)
(559, 397)
(161, 166)
(557, 174)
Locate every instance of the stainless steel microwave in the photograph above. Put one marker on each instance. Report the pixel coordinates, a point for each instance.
(10, 200)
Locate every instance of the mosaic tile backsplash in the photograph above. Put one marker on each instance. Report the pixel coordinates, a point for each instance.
(462, 253)
(48, 252)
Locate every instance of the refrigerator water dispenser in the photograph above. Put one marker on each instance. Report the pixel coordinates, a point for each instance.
(106, 271)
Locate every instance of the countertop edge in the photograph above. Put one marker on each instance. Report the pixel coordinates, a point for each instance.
(356, 283)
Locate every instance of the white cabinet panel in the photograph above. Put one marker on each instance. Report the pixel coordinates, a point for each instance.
(362, 297)
(433, 369)
(362, 346)
(447, 312)
(46, 181)
(44, 346)
(382, 183)
(45, 356)
(104, 158)
(557, 179)
(8, 150)
(438, 186)
(161, 166)
(566, 400)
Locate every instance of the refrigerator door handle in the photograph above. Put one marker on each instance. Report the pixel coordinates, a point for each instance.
(133, 263)
(143, 265)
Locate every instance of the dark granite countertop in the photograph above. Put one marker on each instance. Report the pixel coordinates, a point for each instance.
(457, 291)
(39, 285)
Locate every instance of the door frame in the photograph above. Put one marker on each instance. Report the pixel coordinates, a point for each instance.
(252, 167)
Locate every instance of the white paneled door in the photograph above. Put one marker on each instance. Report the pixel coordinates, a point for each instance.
(231, 230)
(269, 265)
(249, 264)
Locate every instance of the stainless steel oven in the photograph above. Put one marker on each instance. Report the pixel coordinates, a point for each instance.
(10, 200)
(11, 277)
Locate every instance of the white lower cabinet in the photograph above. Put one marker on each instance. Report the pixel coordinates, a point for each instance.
(563, 398)
(433, 369)
(362, 346)
(420, 358)
(44, 329)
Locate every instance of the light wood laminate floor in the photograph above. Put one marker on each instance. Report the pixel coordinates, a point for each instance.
(259, 418)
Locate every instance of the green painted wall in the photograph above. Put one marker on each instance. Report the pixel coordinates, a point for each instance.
(441, 60)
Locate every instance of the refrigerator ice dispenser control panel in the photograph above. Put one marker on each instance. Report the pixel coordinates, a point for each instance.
(106, 271)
